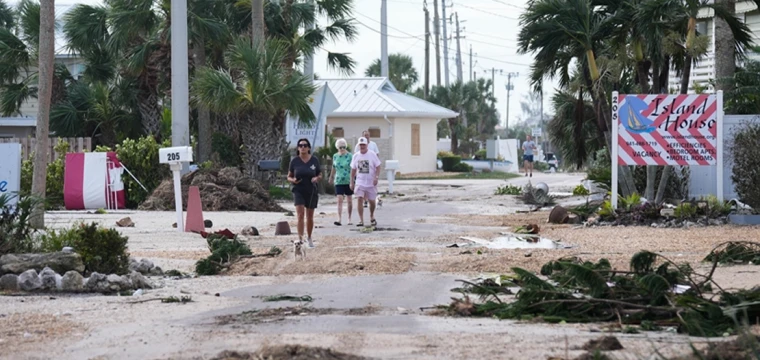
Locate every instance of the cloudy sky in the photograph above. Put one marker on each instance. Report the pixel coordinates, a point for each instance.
(489, 27)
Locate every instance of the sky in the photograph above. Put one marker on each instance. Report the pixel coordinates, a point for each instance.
(489, 27)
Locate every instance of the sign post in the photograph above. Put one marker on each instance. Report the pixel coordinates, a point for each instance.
(175, 157)
(10, 171)
(664, 129)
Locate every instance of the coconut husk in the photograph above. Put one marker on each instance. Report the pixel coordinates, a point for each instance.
(223, 190)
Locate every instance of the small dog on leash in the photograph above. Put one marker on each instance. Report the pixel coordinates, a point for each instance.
(299, 249)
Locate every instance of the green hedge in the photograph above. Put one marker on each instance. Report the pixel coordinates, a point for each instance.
(449, 162)
(462, 167)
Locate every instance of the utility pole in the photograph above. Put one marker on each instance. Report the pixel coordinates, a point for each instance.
(308, 65)
(493, 83)
(472, 75)
(445, 45)
(459, 51)
(384, 38)
(437, 33)
(427, 50)
(510, 87)
(179, 77)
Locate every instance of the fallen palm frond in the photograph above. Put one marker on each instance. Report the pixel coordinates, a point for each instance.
(655, 292)
(223, 252)
(735, 252)
(306, 298)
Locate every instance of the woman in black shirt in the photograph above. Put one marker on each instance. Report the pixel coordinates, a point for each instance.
(304, 173)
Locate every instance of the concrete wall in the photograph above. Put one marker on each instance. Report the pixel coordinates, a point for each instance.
(353, 127)
(703, 179)
(408, 163)
(16, 131)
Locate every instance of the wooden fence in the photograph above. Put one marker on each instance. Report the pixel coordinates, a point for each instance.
(28, 145)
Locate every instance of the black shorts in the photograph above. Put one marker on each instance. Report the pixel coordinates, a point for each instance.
(343, 190)
(308, 199)
(528, 158)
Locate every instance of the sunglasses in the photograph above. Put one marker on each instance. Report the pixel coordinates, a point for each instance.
(342, 147)
(303, 145)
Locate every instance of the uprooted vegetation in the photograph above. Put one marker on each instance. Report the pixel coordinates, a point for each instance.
(632, 210)
(655, 293)
(288, 352)
(224, 252)
(224, 190)
(735, 252)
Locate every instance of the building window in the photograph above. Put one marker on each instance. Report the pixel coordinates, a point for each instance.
(416, 139)
(338, 132)
(374, 133)
(702, 28)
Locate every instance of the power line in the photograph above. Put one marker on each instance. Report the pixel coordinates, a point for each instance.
(504, 3)
(399, 30)
(492, 44)
(487, 12)
(491, 36)
(389, 35)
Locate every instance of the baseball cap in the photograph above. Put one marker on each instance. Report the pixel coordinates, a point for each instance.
(362, 140)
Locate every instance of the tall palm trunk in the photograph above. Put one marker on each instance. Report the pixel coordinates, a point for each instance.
(725, 53)
(625, 178)
(44, 96)
(454, 137)
(258, 26)
(261, 140)
(685, 78)
(204, 115)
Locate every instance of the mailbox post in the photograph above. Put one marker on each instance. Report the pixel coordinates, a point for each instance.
(175, 157)
(391, 166)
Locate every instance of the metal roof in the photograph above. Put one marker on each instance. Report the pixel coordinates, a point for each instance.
(18, 121)
(376, 96)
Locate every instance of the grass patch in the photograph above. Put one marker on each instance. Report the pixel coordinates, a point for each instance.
(279, 193)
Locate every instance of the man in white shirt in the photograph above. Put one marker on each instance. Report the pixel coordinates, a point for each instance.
(372, 145)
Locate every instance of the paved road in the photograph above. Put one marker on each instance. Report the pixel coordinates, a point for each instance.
(557, 180)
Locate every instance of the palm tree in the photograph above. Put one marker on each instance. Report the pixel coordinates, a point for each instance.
(459, 98)
(285, 19)
(19, 42)
(560, 31)
(401, 71)
(46, 51)
(258, 85)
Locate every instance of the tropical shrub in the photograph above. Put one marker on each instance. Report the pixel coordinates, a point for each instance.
(16, 234)
(140, 156)
(103, 250)
(745, 152)
(461, 167)
(443, 153)
(225, 149)
(449, 162)
(223, 250)
(54, 181)
(508, 189)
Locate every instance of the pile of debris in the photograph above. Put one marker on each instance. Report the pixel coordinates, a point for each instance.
(224, 190)
(654, 293)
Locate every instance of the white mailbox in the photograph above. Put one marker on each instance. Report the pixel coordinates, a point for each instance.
(175, 155)
(390, 167)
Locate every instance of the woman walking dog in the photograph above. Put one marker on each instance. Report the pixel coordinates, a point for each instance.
(304, 173)
(340, 177)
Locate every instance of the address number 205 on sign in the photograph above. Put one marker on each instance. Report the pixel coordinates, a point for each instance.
(175, 154)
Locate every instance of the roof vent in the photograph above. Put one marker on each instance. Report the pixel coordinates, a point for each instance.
(354, 92)
(366, 86)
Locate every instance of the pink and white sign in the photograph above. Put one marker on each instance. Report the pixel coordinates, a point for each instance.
(93, 181)
(666, 129)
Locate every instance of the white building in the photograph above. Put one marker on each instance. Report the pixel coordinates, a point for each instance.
(704, 70)
(403, 126)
